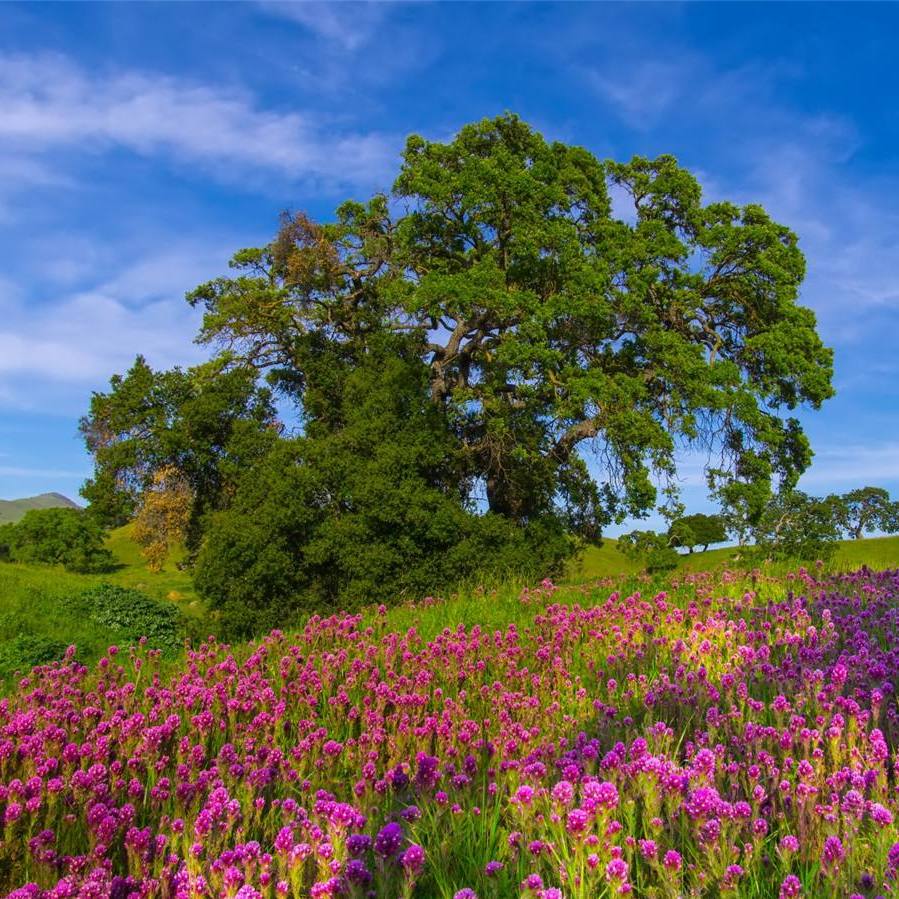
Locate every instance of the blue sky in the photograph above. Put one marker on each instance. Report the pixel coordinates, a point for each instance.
(141, 144)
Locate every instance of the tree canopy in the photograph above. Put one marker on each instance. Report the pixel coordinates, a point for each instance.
(565, 347)
(867, 509)
(553, 330)
(697, 530)
(794, 525)
(58, 536)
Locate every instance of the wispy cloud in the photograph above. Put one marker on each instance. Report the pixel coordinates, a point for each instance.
(76, 341)
(643, 93)
(349, 25)
(853, 465)
(11, 471)
(49, 102)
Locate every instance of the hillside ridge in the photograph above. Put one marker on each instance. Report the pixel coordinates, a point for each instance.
(11, 510)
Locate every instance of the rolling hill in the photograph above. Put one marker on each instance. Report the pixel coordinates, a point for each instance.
(608, 561)
(11, 510)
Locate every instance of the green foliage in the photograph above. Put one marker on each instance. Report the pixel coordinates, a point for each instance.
(797, 526)
(25, 651)
(129, 615)
(697, 530)
(207, 423)
(867, 509)
(58, 536)
(477, 342)
(662, 558)
(544, 322)
(368, 513)
(652, 550)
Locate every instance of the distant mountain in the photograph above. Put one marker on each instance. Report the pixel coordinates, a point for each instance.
(12, 510)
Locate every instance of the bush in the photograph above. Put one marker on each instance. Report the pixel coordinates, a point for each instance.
(662, 558)
(365, 515)
(66, 537)
(130, 615)
(25, 651)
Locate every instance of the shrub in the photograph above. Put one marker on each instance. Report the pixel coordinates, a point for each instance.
(131, 615)
(25, 651)
(66, 537)
(662, 558)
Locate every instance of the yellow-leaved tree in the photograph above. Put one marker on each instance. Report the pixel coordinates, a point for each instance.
(163, 516)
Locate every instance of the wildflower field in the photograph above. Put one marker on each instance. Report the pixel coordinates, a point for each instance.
(732, 735)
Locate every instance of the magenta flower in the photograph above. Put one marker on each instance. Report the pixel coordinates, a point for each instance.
(833, 853)
(413, 859)
(616, 870)
(388, 840)
(672, 860)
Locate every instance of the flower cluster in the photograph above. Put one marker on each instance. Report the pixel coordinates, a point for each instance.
(733, 735)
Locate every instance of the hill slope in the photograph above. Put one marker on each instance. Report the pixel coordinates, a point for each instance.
(605, 561)
(11, 510)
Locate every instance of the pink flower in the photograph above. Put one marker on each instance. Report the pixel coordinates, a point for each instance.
(672, 860)
(616, 870)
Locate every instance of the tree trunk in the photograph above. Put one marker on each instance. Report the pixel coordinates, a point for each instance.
(497, 497)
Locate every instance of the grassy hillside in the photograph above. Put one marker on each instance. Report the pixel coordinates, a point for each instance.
(11, 510)
(36, 602)
(601, 561)
(170, 583)
(39, 604)
(605, 561)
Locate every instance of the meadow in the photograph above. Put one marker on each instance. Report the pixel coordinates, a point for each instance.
(723, 733)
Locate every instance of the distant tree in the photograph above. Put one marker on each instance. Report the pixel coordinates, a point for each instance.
(697, 530)
(797, 526)
(163, 516)
(652, 550)
(867, 509)
(67, 537)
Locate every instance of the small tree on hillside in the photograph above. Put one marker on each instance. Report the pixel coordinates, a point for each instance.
(867, 509)
(650, 549)
(697, 530)
(163, 517)
(795, 525)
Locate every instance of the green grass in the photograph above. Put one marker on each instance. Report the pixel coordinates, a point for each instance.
(875, 552)
(36, 601)
(599, 562)
(39, 601)
(607, 561)
(171, 583)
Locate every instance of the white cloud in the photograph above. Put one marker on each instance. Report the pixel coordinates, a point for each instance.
(11, 471)
(644, 93)
(349, 25)
(78, 340)
(852, 465)
(50, 103)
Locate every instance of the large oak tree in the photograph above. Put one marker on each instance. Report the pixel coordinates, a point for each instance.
(573, 344)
